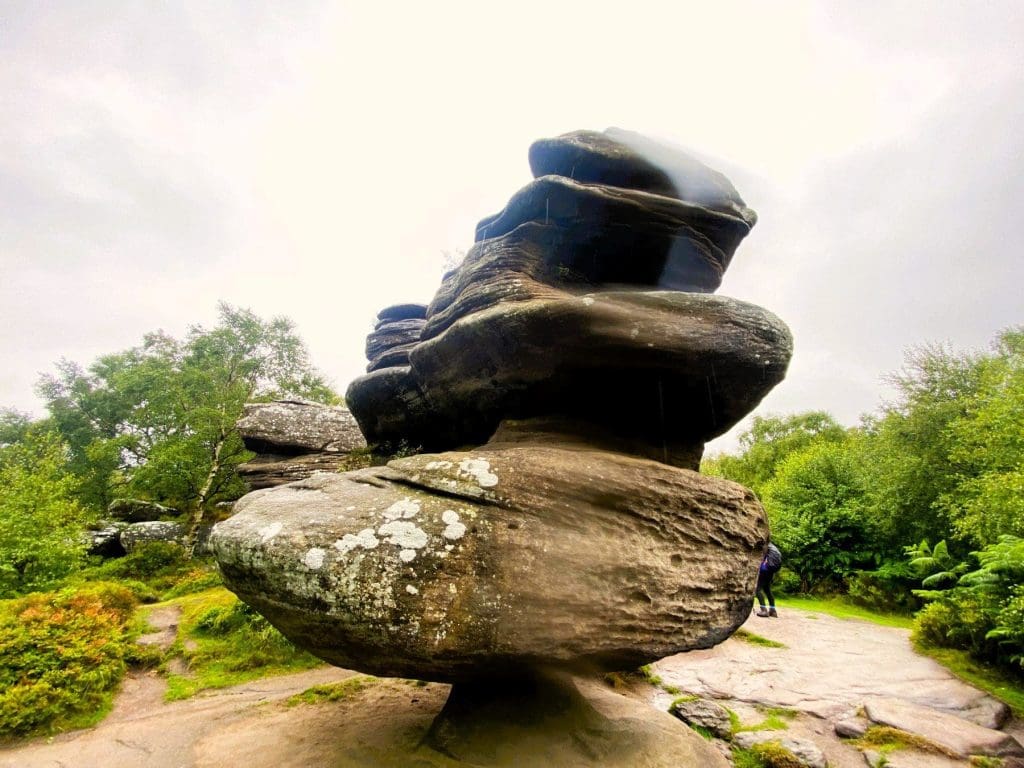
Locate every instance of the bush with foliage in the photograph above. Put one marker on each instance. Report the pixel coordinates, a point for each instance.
(40, 523)
(62, 654)
(984, 612)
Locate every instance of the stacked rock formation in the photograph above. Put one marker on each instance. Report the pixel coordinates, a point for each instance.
(292, 439)
(579, 346)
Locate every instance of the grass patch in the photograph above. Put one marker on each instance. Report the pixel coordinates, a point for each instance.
(62, 656)
(841, 609)
(768, 755)
(753, 639)
(648, 674)
(224, 642)
(704, 732)
(775, 719)
(321, 694)
(989, 679)
(885, 740)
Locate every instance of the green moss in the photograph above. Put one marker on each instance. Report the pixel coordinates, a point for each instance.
(705, 732)
(981, 761)
(774, 755)
(224, 642)
(884, 739)
(747, 758)
(775, 720)
(750, 637)
(321, 694)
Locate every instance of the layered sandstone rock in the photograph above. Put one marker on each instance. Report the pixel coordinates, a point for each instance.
(578, 349)
(292, 439)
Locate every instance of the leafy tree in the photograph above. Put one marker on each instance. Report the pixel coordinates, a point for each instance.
(769, 441)
(815, 503)
(908, 448)
(40, 522)
(158, 421)
(987, 447)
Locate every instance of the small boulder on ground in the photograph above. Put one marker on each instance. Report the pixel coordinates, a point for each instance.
(704, 713)
(806, 752)
(953, 733)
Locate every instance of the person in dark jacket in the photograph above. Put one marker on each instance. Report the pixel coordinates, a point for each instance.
(770, 565)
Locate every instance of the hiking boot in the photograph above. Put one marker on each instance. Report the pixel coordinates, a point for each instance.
(762, 611)
(772, 612)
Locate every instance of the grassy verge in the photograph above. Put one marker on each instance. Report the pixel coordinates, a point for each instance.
(841, 609)
(222, 642)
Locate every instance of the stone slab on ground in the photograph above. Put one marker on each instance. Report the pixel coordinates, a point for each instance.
(805, 751)
(829, 667)
(914, 759)
(953, 733)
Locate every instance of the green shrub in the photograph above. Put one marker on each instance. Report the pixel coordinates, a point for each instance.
(889, 589)
(198, 580)
(147, 560)
(61, 656)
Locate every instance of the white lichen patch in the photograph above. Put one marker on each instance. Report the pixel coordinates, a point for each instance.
(411, 589)
(403, 508)
(407, 555)
(454, 528)
(587, 301)
(314, 558)
(480, 470)
(435, 465)
(267, 532)
(365, 539)
(404, 534)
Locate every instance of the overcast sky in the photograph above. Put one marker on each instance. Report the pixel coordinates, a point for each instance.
(318, 160)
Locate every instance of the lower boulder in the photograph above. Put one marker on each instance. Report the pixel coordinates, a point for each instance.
(456, 566)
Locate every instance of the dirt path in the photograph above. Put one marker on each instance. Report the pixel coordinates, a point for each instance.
(828, 668)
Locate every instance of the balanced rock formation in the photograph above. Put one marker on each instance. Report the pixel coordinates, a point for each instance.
(295, 438)
(578, 348)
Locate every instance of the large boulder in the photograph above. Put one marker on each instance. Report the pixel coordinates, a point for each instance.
(286, 427)
(135, 535)
(396, 332)
(295, 438)
(454, 566)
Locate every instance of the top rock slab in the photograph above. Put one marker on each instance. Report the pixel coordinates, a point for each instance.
(296, 426)
(625, 159)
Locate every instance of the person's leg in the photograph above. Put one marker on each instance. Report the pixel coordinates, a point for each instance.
(763, 585)
(768, 593)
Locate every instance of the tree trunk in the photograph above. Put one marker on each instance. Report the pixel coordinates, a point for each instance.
(192, 535)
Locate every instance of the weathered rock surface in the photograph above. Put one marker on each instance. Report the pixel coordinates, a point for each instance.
(297, 426)
(665, 368)
(393, 412)
(295, 438)
(396, 331)
(136, 534)
(704, 713)
(806, 752)
(579, 294)
(105, 540)
(268, 471)
(138, 510)
(537, 722)
(451, 566)
(626, 159)
(953, 733)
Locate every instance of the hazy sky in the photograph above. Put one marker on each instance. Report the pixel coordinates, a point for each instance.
(318, 161)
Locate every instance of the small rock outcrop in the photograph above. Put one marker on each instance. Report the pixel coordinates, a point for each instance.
(579, 349)
(295, 438)
(139, 511)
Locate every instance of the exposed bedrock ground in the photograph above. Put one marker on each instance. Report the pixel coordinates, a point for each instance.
(454, 566)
